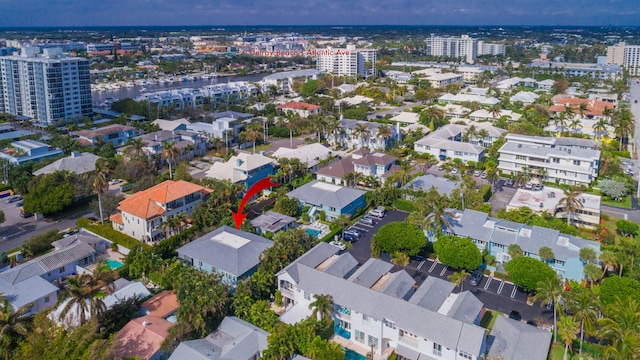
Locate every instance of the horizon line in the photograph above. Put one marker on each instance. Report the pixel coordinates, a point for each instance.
(323, 25)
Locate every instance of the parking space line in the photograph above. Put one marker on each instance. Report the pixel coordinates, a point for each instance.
(444, 270)
(486, 285)
(433, 265)
(500, 287)
(367, 225)
(421, 264)
(355, 227)
(514, 291)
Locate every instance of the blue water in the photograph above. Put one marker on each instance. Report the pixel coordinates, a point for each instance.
(114, 264)
(313, 232)
(352, 355)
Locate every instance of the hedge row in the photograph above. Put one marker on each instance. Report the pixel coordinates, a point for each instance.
(404, 205)
(110, 234)
(485, 191)
(330, 235)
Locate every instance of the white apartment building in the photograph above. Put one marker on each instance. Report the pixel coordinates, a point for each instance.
(485, 48)
(625, 55)
(455, 47)
(48, 87)
(142, 214)
(379, 310)
(570, 161)
(347, 62)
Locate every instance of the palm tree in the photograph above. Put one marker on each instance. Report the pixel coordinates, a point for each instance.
(560, 119)
(585, 307)
(384, 133)
(575, 124)
(567, 330)
(482, 134)
(334, 127)
(582, 108)
(322, 307)
(622, 125)
(549, 291)
(470, 134)
(350, 178)
(402, 174)
(607, 112)
(591, 272)
(292, 124)
(438, 219)
(136, 148)
(171, 153)
(362, 132)
(571, 202)
(253, 133)
(85, 293)
(546, 253)
(496, 110)
(600, 128)
(514, 251)
(523, 176)
(101, 185)
(492, 175)
(608, 257)
(14, 325)
(620, 326)
(458, 278)
(400, 259)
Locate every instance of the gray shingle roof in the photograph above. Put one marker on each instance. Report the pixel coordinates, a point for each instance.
(426, 182)
(432, 293)
(272, 221)
(76, 163)
(370, 272)
(234, 339)
(311, 258)
(399, 285)
(27, 291)
(465, 308)
(230, 250)
(342, 266)
(319, 193)
(510, 339)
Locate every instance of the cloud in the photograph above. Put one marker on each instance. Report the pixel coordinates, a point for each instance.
(313, 12)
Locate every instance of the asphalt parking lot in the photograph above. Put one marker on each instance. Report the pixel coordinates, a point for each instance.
(494, 293)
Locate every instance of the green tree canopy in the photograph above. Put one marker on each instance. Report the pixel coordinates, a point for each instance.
(309, 88)
(458, 252)
(288, 206)
(621, 287)
(627, 228)
(526, 272)
(400, 237)
(613, 189)
(50, 193)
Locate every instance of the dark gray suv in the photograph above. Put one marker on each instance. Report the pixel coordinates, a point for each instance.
(475, 277)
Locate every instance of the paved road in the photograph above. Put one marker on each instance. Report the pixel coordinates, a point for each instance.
(495, 294)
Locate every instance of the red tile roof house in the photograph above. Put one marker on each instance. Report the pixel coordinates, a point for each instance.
(143, 336)
(301, 108)
(141, 214)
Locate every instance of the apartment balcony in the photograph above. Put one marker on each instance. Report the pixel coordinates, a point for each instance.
(407, 340)
(174, 205)
(288, 292)
(192, 199)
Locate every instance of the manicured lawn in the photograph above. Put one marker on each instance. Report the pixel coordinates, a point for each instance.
(624, 204)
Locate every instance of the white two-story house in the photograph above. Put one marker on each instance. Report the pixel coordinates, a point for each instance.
(570, 161)
(141, 215)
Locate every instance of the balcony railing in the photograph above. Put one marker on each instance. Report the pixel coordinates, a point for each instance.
(288, 292)
(409, 341)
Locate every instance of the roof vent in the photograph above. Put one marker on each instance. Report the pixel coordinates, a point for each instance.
(519, 145)
(145, 323)
(569, 151)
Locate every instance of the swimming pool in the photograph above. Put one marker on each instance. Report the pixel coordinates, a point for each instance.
(313, 232)
(113, 264)
(352, 355)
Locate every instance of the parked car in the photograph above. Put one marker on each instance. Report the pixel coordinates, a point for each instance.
(378, 212)
(25, 214)
(441, 168)
(528, 185)
(338, 244)
(14, 198)
(19, 203)
(352, 233)
(367, 220)
(483, 175)
(454, 171)
(538, 187)
(357, 232)
(476, 277)
(477, 173)
(349, 237)
(515, 315)
(510, 182)
(115, 181)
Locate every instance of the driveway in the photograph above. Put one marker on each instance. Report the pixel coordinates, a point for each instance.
(502, 194)
(373, 116)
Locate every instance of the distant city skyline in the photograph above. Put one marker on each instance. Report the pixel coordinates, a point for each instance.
(69, 13)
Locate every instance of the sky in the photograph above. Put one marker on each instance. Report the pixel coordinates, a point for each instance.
(63, 13)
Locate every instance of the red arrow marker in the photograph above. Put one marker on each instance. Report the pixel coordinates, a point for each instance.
(256, 188)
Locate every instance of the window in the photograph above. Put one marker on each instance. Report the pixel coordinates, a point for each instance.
(465, 355)
(372, 340)
(576, 162)
(556, 160)
(457, 153)
(437, 349)
(307, 296)
(366, 320)
(46, 299)
(359, 336)
(61, 270)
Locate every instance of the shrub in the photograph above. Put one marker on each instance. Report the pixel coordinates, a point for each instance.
(605, 217)
(627, 228)
(110, 234)
(322, 215)
(399, 237)
(499, 275)
(41, 243)
(485, 191)
(404, 205)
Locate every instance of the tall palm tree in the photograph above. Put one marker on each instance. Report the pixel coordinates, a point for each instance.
(600, 128)
(560, 119)
(549, 291)
(14, 325)
(101, 185)
(292, 125)
(458, 278)
(567, 330)
(582, 108)
(362, 132)
(575, 124)
(585, 307)
(546, 253)
(470, 134)
(620, 326)
(400, 259)
(622, 125)
(608, 257)
(482, 134)
(322, 307)
(85, 293)
(571, 202)
(334, 127)
(514, 251)
(171, 153)
(384, 133)
(607, 112)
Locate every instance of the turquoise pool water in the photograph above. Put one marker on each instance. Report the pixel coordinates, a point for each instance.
(114, 264)
(352, 355)
(313, 232)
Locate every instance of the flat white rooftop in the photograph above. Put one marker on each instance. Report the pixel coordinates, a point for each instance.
(230, 240)
(548, 199)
